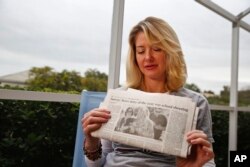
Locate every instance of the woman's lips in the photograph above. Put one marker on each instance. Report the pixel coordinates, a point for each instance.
(150, 66)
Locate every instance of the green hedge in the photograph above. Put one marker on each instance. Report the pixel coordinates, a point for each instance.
(220, 134)
(43, 133)
(37, 133)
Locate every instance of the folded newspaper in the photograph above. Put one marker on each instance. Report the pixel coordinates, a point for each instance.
(153, 121)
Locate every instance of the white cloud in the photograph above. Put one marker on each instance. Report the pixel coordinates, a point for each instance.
(75, 35)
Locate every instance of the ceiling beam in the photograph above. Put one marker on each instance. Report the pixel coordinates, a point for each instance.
(226, 14)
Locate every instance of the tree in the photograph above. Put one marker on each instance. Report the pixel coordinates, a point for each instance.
(244, 97)
(193, 87)
(45, 79)
(95, 80)
(209, 92)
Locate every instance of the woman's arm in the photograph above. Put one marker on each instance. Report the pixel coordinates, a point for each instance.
(91, 122)
(106, 148)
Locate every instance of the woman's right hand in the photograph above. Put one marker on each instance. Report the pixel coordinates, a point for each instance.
(92, 121)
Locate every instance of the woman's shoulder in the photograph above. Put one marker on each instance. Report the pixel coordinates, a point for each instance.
(184, 92)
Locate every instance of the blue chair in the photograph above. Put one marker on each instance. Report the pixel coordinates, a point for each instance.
(89, 100)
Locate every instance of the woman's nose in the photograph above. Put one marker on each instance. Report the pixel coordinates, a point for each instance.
(148, 55)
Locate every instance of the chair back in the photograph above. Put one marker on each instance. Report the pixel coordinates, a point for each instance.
(89, 100)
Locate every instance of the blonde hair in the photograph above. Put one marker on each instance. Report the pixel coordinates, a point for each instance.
(157, 31)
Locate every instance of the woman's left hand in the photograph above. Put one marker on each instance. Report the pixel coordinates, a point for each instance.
(201, 151)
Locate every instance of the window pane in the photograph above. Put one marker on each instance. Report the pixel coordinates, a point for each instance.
(204, 35)
(66, 34)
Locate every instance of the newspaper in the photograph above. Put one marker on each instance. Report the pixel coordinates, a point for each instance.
(153, 121)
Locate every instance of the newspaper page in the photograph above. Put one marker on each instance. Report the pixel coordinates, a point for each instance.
(153, 121)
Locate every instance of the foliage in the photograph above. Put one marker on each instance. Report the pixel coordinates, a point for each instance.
(95, 80)
(193, 87)
(45, 79)
(221, 122)
(221, 125)
(243, 131)
(37, 133)
(220, 132)
(244, 98)
(220, 135)
(223, 98)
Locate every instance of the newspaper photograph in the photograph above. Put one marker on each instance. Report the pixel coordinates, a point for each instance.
(153, 121)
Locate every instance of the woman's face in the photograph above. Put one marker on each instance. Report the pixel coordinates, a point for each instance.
(151, 59)
(129, 112)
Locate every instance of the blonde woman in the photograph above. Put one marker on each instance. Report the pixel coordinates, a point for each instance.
(155, 64)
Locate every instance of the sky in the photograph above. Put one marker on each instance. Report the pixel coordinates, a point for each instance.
(75, 35)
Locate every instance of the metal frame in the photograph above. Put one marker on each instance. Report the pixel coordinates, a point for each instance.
(116, 44)
(38, 96)
(226, 14)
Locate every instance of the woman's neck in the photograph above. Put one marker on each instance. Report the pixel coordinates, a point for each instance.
(154, 86)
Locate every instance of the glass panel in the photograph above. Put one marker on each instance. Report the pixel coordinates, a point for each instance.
(64, 35)
(204, 35)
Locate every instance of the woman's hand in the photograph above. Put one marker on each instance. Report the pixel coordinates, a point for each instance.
(92, 121)
(201, 151)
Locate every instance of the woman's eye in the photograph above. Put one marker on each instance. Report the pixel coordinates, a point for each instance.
(140, 51)
(156, 49)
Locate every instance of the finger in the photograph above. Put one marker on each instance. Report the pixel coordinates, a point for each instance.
(91, 128)
(96, 113)
(196, 134)
(100, 113)
(194, 131)
(94, 120)
(200, 141)
(102, 110)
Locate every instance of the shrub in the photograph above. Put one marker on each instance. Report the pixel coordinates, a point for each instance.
(37, 133)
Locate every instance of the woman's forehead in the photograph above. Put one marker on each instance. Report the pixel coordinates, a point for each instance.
(141, 40)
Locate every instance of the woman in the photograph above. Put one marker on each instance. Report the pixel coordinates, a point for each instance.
(125, 123)
(155, 64)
